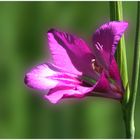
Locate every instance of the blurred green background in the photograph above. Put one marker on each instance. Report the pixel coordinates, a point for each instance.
(23, 112)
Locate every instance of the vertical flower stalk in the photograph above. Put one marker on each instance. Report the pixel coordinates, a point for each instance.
(116, 13)
(135, 75)
(128, 103)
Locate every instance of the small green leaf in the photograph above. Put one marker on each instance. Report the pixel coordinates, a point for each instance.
(126, 96)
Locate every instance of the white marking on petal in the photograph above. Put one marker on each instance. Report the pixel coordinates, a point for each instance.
(99, 46)
(95, 66)
(93, 63)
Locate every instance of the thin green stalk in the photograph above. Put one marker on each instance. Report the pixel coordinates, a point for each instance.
(128, 104)
(116, 13)
(135, 75)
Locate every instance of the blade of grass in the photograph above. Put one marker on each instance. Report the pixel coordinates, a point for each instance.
(128, 104)
(129, 110)
(136, 63)
(135, 75)
(116, 13)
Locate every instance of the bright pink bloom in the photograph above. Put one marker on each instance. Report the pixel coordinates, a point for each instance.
(77, 70)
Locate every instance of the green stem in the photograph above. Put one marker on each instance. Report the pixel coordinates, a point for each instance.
(128, 104)
(116, 13)
(130, 108)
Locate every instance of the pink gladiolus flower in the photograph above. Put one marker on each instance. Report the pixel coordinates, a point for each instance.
(77, 70)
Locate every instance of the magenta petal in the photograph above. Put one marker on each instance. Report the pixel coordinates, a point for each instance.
(105, 41)
(102, 84)
(103, 88)
(70, 52)
(42, 77)
(60, 92)
(37, 78)
(114, 72)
